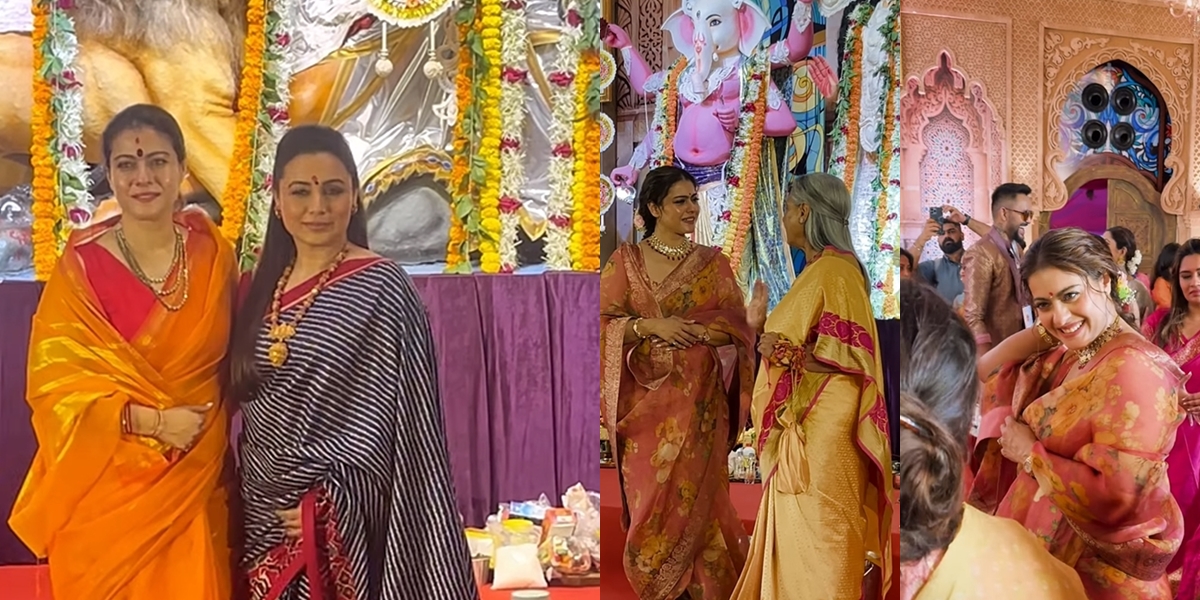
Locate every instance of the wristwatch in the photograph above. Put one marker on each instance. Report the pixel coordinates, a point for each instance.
(966, 219)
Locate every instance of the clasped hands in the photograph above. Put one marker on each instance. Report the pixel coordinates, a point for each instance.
(675, 332)
(177, 427)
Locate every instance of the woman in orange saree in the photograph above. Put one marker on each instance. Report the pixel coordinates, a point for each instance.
(822, 421)
(1077, 420)
(125, 495)
(666, 307)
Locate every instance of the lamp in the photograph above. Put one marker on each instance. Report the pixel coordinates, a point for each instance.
(1189, 9)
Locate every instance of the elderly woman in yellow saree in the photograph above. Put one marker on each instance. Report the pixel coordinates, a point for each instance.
(666, 307)
(1078, 416)
(821, 419)
(125, 495)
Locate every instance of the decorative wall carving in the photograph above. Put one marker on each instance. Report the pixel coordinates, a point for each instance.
(930, 25)
(1068, 56)
(941, 92)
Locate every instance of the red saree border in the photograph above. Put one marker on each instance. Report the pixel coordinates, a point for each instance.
(348, 268)
(320, 542)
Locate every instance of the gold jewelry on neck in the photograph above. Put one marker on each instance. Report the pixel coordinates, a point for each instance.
(671, 252)
(179, 268)
(280, 332)
(1087, 353)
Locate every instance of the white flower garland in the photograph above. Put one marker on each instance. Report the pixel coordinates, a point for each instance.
(73, 180)
(273, 124)
(562, 163)
(513, 89)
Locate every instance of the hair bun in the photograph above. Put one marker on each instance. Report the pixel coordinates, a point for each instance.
(931, 481)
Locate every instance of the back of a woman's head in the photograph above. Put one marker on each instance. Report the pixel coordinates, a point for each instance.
(655, 187)
(829, 200)
(1166, 261)
(1124, 239)
(1073, 250)
(938, 391)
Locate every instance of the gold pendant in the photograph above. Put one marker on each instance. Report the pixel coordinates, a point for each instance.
(282, 331)
(277, 353)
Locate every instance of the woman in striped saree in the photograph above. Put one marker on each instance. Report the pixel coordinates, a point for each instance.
(333, 364)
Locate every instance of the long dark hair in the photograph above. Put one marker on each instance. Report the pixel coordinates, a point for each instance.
(1074, 250)
(938, 390)
(1124, 239)
(279, 250)
(655, 187)
(1165, 262)
(1171, 327)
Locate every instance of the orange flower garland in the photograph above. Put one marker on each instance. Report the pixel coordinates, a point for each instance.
(585, 239)
(460, 176)
(241, 167)
(747, 183)
(855, 100)
(489, 195)
(46, 212)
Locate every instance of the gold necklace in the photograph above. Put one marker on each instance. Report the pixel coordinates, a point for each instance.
(671, 252)
(281, 332)
(1087, 353)
(178, 266)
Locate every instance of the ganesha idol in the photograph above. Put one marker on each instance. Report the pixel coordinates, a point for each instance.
(716, 111)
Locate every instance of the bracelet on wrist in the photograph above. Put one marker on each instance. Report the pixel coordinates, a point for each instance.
(158, 424)
(636, 332)
(1028, 464)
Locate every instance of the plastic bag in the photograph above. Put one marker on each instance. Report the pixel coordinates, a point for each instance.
(516, 562)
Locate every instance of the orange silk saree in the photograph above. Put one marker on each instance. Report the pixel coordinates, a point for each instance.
(119, 516)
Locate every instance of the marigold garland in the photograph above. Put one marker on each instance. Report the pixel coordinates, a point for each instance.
(747, 153)
(887, 223)
(241, 165)
(585, 239)
(514, 78)
(271, 123)
(457, 250)
(849, 99)
(46, 212)
(489, 193)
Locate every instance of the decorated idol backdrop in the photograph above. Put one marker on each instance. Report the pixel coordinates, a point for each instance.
(465, 117)
(744, 102)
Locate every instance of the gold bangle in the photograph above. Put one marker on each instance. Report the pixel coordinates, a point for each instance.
(635, 329)
(1028, 464)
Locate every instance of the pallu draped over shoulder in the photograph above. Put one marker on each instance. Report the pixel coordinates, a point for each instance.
(1098, 496)
(120, 516)
(334, 431)
(673, 419)
(822, 444)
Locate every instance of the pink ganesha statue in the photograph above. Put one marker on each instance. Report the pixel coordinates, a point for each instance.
(716, 111)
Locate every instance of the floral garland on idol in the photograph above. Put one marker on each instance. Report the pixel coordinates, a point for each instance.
(60, 173)
(271, 122)
(489, 144)
(465, 141)
(563, 99)
(240, 184)
(887, 184)
(585, 237)
(845, 130)
(513, 88)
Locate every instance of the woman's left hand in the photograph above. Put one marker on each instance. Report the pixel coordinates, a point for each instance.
(291, 521)
(756, 311)
(1016, 440)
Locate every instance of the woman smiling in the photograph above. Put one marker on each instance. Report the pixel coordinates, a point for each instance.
(1079, 414)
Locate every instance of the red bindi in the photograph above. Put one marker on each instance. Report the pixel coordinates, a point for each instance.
(138, 141)
(139, 152)
(315, 181)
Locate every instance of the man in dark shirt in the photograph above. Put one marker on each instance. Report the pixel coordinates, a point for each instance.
(945, 272)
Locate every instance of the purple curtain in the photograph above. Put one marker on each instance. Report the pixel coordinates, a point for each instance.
(517, 360)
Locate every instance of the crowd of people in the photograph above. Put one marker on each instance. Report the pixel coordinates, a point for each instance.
(1048, 413)
(143, 345)
(687, 362)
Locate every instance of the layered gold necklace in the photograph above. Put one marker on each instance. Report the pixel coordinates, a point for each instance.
(280, 332)
(158, 285)
(679, 252)
(1087, 353)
